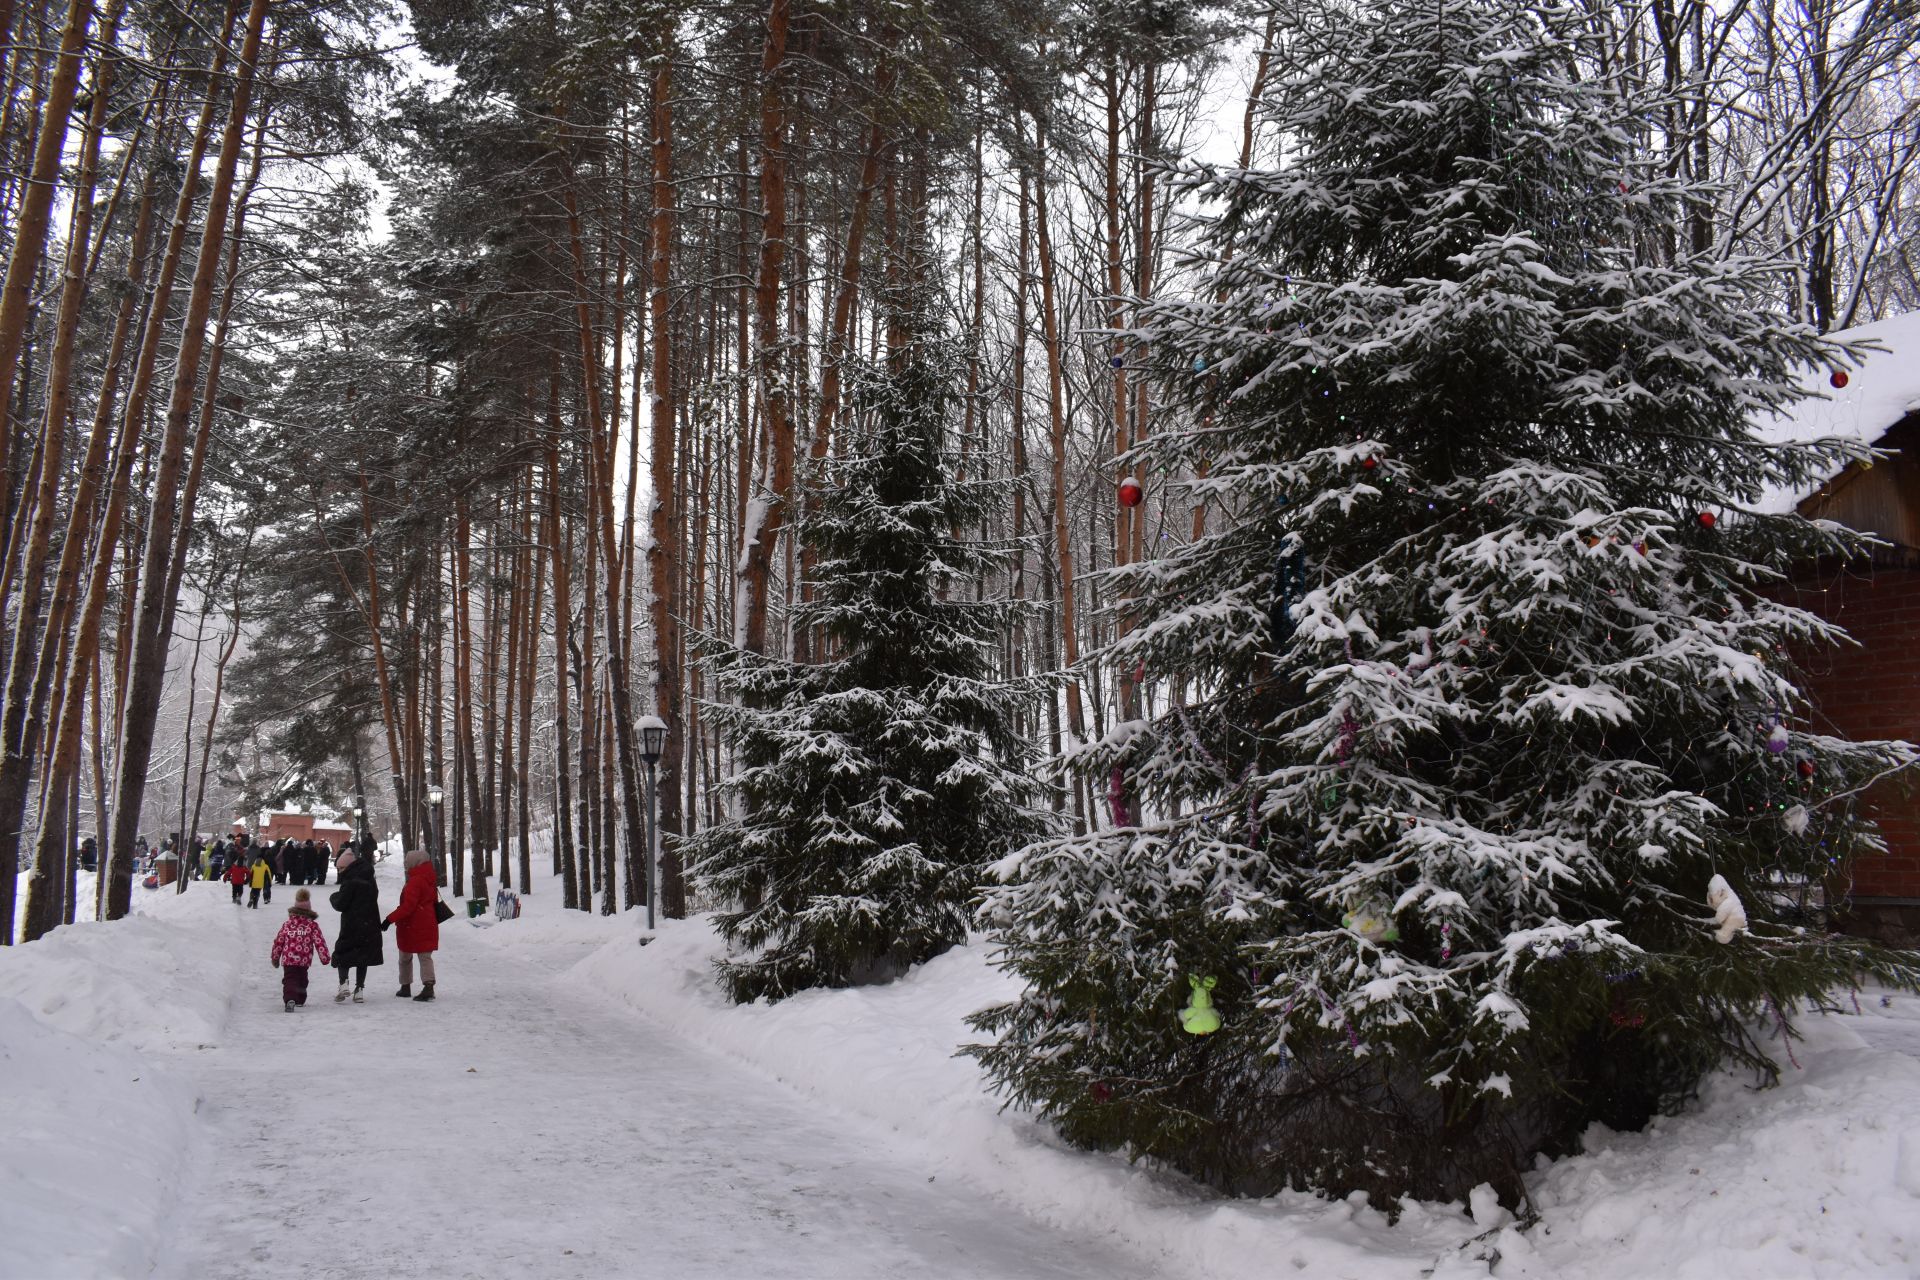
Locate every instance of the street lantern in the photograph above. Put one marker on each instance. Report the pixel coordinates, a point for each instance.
(653, 738)
(653, 741)
(434, 796)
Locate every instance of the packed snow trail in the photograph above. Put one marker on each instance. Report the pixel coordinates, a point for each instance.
(516, 1127)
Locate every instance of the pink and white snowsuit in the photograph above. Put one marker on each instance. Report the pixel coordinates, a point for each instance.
(293, 950)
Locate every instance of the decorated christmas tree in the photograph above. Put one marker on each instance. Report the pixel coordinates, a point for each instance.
(1493, 782)
(875, 784)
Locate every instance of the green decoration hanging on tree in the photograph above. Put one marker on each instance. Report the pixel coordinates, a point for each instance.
(1200, 1018)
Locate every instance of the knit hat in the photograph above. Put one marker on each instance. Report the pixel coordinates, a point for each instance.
(301, 895)
(346, 856)
(414, 857)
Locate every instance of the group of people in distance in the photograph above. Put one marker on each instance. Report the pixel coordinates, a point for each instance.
(295, 862)
(257, 866)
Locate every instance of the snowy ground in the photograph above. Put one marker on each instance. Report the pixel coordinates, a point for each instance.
(579, 1105)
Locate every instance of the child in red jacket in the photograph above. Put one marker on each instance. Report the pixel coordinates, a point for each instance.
(237, 877)
(294, 947)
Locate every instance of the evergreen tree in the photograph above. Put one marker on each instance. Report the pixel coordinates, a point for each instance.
(1495, 763)
(878, 783)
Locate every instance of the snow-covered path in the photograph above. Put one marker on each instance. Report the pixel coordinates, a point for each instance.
(516, 1127)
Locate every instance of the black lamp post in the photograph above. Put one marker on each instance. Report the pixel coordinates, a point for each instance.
(434, 797)
(359, 824)
(653, 740)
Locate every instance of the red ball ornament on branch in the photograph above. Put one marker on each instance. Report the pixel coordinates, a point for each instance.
(1837, 379)
(1131, 494)
(1708, 519)
(1806, 768)
(1368, 464)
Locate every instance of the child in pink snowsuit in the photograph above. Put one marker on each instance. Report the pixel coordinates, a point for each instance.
(294, 947)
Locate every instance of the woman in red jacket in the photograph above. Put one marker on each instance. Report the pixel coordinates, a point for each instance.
(418, 925)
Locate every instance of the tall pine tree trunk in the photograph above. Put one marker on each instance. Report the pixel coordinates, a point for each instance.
(760, 532)
(562, 637)
(36, 205)
(664, 555)
(147, 662)
(28, 670)
(1057, 418)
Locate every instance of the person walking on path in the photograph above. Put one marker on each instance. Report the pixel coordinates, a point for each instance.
(237, 877)
(294, 948)
(358, 945)
(259, 877)
(417, 924)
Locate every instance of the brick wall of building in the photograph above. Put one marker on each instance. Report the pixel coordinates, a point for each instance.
(1873, 692)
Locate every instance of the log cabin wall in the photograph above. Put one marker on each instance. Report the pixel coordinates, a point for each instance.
(1873, 691)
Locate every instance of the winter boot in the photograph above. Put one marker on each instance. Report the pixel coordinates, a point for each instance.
(289, 1006)
(406, 989)
(359, 995)
(341, 994)
(426, 991)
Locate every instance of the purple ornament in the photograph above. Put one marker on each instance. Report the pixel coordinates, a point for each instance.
(1777, 741)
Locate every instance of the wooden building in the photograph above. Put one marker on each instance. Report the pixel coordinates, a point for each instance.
(1872, 691)
(295, 826)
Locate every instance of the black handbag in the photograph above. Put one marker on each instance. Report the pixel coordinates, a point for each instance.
(441, 911)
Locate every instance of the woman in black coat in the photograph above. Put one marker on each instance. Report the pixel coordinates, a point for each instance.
(358, 902)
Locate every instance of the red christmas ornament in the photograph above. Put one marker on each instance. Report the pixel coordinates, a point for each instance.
(1806, 768)
(1368, 464)
(1131, 494)
(1837, 379)
(1101, 1091)
(1708, 520)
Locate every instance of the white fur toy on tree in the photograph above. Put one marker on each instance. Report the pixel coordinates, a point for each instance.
(1729, 917)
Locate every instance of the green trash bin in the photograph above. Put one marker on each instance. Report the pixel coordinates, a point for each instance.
(476, 907)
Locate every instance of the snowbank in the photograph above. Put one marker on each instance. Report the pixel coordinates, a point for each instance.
(1820, 1177)
(143, 982)
(96, 1117)
(885, 1055)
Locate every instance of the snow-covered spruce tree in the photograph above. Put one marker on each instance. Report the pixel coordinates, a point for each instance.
(876, 784)
(1486, 683)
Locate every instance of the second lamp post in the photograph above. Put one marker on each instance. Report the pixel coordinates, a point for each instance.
(653, 740)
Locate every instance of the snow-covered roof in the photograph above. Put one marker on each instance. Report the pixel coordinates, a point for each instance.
(1884, 389)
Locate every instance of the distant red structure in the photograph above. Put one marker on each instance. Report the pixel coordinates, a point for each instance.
(297, 826)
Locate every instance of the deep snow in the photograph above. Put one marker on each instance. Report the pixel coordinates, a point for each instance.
(580, 1105)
